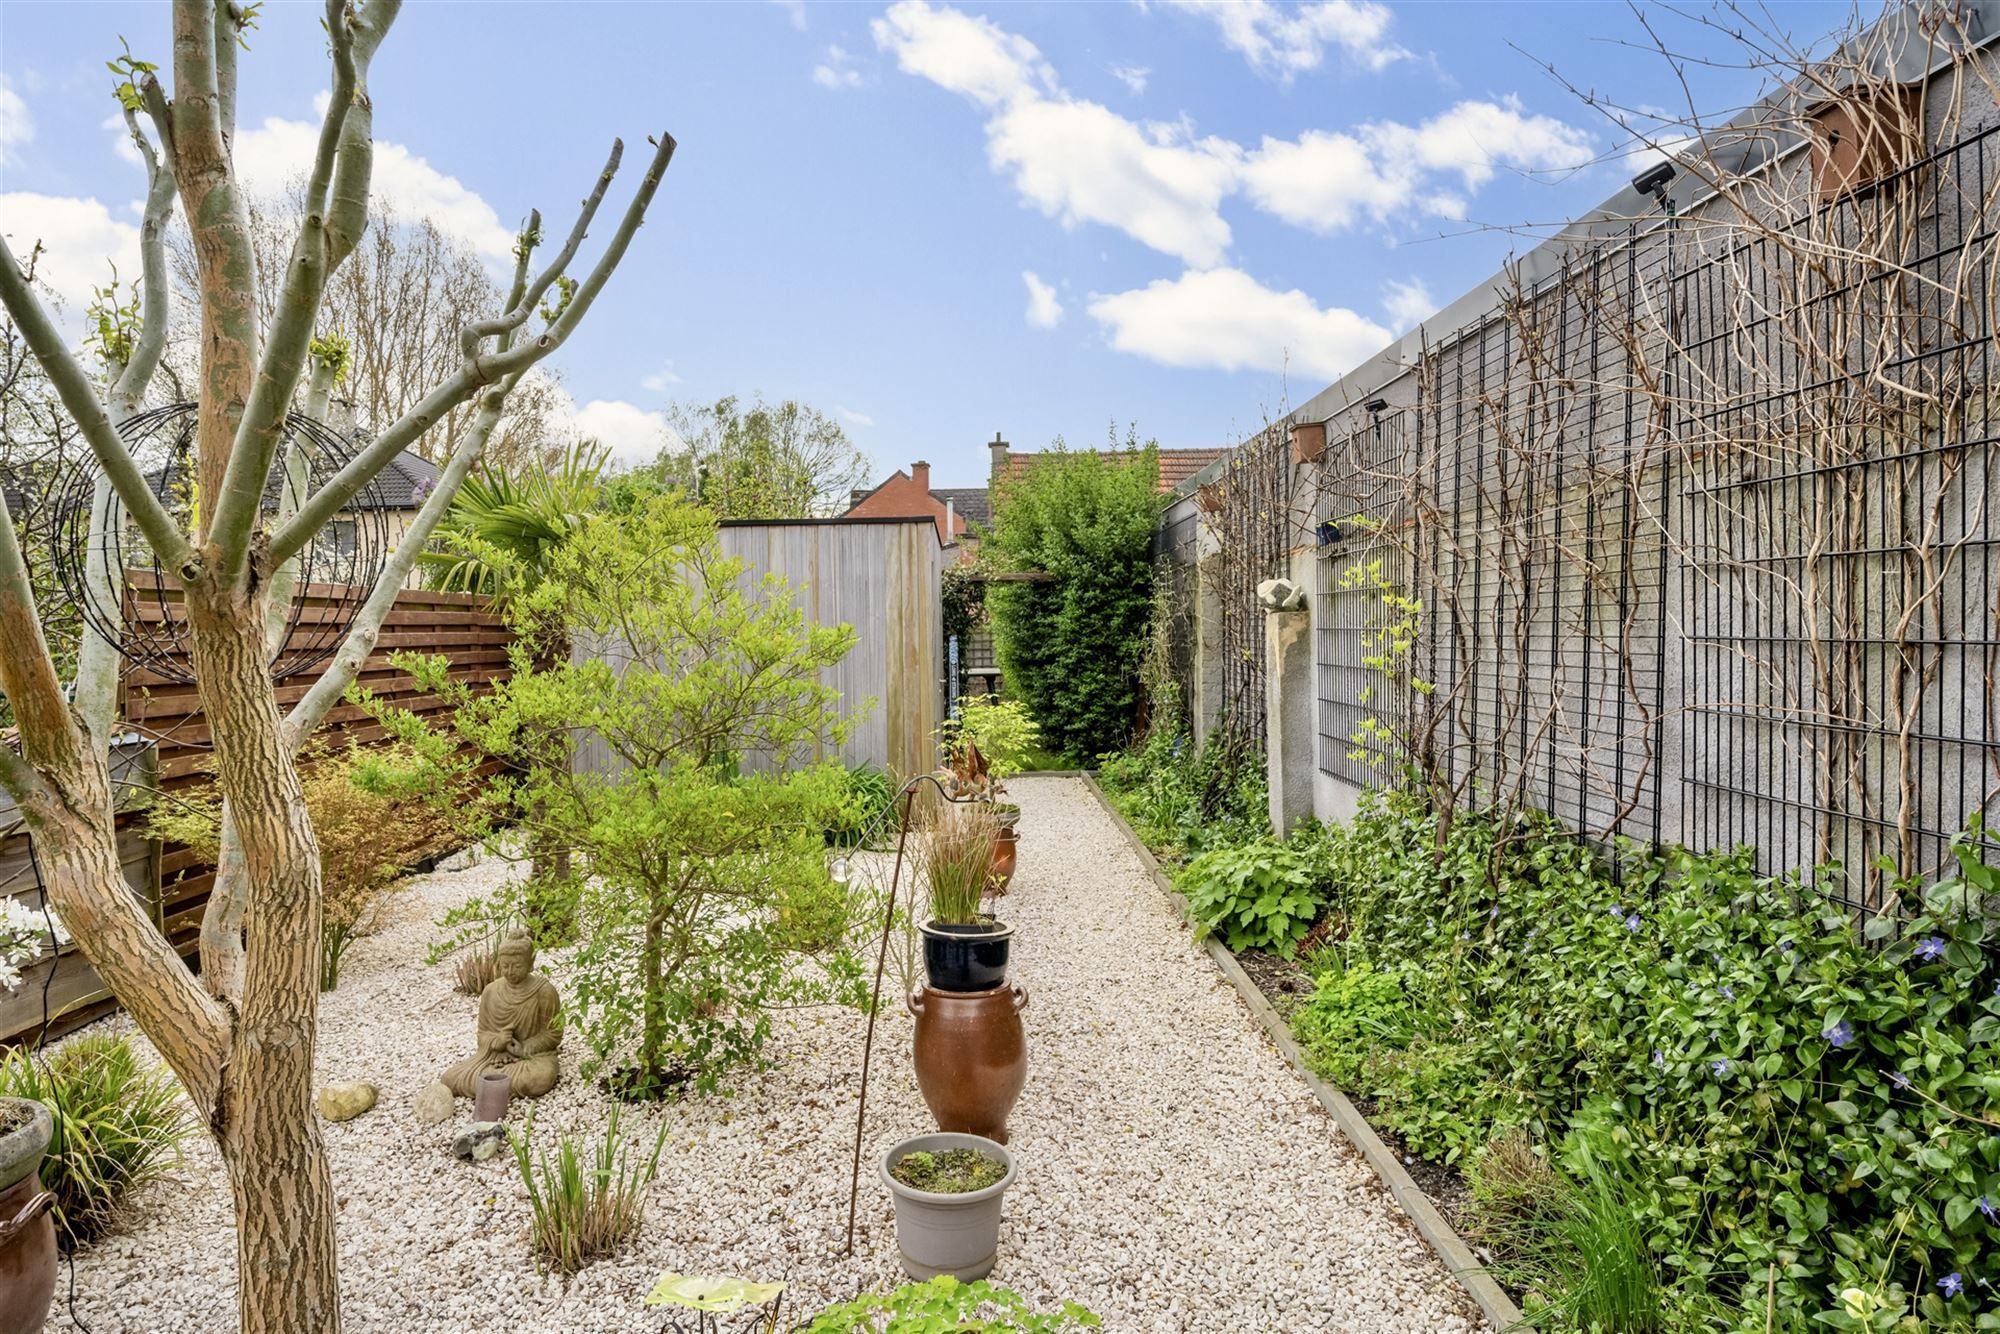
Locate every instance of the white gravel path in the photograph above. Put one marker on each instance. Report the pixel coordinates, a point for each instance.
(1176, 1175)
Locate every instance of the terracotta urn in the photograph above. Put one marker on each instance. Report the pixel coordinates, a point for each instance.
(971, 1056)
(1006, 853)
(27, 1231)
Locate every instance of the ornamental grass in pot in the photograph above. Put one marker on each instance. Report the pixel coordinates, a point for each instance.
(948, 1190)
(965, 947)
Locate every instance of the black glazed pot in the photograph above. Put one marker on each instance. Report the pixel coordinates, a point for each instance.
(966, 957)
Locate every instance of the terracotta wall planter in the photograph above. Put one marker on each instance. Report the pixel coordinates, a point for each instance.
(1308, 442)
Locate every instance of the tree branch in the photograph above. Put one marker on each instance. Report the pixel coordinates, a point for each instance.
(308, 713)
(518, 310)
(347, 209)
(79, 396)
(219, 224)
(344, 485)
(64, 791)
(27, 674)
(259, 429)
(129, 389)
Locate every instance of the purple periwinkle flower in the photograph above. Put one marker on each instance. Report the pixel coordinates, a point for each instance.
(1632, 922)
(1840, 1034)
(1719, 1066)
(1986, 1207)
(1659, 1059)
(1616, 910)
(1951, 1284)
(1728, 992)
(1931, 950)
(1896, 1077)
(1786, 946)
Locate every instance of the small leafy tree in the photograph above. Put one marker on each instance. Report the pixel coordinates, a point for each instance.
(701, 890)
(1071, 644)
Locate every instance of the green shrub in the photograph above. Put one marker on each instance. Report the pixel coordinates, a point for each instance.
(1071, 644)
(945, 1305)
(1797, 1106)
(582, 1213)
(702, 892)
(1256, 896)
(867, 794)
(1182, 801)
(1351, 1011)
(118, 1124)
(1002, 729)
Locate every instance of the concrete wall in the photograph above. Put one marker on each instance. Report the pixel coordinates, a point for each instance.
(1591, 738)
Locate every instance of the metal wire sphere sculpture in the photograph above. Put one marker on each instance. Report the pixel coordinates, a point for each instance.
(333, 575)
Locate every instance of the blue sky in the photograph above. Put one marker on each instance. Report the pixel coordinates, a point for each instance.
(936, 220)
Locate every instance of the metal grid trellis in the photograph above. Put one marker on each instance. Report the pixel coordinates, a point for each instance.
(1362, 528)
(1516, 504)
(1249, 510)
(1174, 575)
(1837, 418)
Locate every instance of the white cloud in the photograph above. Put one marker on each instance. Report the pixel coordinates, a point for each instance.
(1044, 311)
(1080, 162)
(1075, 160)
(661, 380)
(962, 53)
(1287, 41)
(795, 10)
(852, 417)
(1224, 319)
(273, 156)
(1132, 76)
(81, 240)
(17, 127)
(1474, 139)
(1408, 304)
(632, 434)
(837, 70)
(1325, 180)
(1163, 185)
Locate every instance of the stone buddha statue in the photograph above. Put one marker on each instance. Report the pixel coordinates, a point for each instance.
(520, 1027)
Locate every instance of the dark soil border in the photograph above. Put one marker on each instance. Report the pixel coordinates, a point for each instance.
(1493, 1301)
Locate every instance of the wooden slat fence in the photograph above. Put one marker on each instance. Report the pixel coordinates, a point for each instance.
(167, 712)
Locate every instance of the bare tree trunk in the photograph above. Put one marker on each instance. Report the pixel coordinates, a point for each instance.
(268, 1133)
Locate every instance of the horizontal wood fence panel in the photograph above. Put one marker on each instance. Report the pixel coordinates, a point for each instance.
(176, 881)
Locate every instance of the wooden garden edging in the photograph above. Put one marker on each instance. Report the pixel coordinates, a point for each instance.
(1492, 1299)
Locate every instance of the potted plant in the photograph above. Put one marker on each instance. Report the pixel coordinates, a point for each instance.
(965, 948)
(27, 1232)
(947, 1190)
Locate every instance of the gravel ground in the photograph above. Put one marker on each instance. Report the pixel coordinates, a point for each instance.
(1176, 1176)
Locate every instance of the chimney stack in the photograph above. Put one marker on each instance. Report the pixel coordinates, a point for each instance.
(999, 450)
(920, 473)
